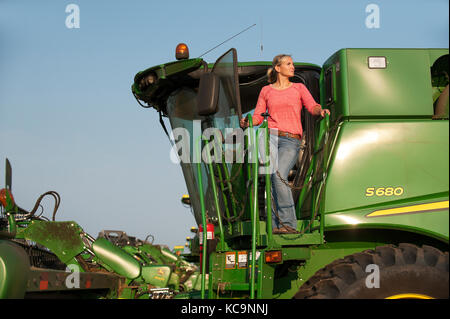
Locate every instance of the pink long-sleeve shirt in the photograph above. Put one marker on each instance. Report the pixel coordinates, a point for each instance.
(284, 107)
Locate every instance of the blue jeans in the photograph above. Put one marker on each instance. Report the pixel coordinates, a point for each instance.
(288, 151)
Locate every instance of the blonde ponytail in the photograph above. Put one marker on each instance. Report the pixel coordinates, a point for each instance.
(272, 75)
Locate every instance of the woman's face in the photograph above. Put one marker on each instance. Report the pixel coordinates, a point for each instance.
(286, 68)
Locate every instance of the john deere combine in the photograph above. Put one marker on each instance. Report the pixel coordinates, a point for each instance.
(41, 258)
(371, 187)
(371, 191)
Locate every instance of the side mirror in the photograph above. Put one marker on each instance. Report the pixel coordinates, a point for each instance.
(208, 94)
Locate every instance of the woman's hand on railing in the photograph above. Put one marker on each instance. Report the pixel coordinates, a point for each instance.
(324, 111)
(244, 122)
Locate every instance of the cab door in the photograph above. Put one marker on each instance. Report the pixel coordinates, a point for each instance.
(219, 103)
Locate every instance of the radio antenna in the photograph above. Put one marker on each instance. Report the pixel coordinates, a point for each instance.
(228, 39)
(261, 46)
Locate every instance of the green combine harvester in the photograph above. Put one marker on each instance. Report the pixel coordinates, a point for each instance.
(371, 191)
(42, 258)
(371, 187)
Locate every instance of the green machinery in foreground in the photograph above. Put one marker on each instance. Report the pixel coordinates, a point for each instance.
(183, 275)
(371, 187)
(41, 258)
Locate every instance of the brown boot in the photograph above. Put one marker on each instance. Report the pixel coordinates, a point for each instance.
(281, 230)
(290, 230)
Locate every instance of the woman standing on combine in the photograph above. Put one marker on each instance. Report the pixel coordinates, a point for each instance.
(283, 100)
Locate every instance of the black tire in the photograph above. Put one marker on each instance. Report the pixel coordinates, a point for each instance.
(406, 271)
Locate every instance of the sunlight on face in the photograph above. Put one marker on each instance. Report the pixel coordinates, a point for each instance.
(286, 68)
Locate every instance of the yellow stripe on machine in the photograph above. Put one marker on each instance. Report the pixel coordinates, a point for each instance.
(410, 296)
(421, 208)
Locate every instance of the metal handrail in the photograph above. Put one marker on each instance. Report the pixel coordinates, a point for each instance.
(202, 205)
(265, 126)
(254, 206)
(216, 199)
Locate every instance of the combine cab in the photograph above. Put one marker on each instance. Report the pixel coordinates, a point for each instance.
(371, 187)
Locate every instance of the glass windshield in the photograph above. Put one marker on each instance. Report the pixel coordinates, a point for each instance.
(184, 120)
(229, 100)
(188, 127)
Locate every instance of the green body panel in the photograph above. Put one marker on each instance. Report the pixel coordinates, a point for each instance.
(390, 91)
(14, 269)
(165, 70)
(156, 275)
(62, 238)
(403, 88)
(117, 259)
(411, 155)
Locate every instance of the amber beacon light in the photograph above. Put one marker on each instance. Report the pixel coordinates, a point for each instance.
(182, 51)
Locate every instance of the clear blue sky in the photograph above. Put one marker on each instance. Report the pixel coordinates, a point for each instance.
(68, 120)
